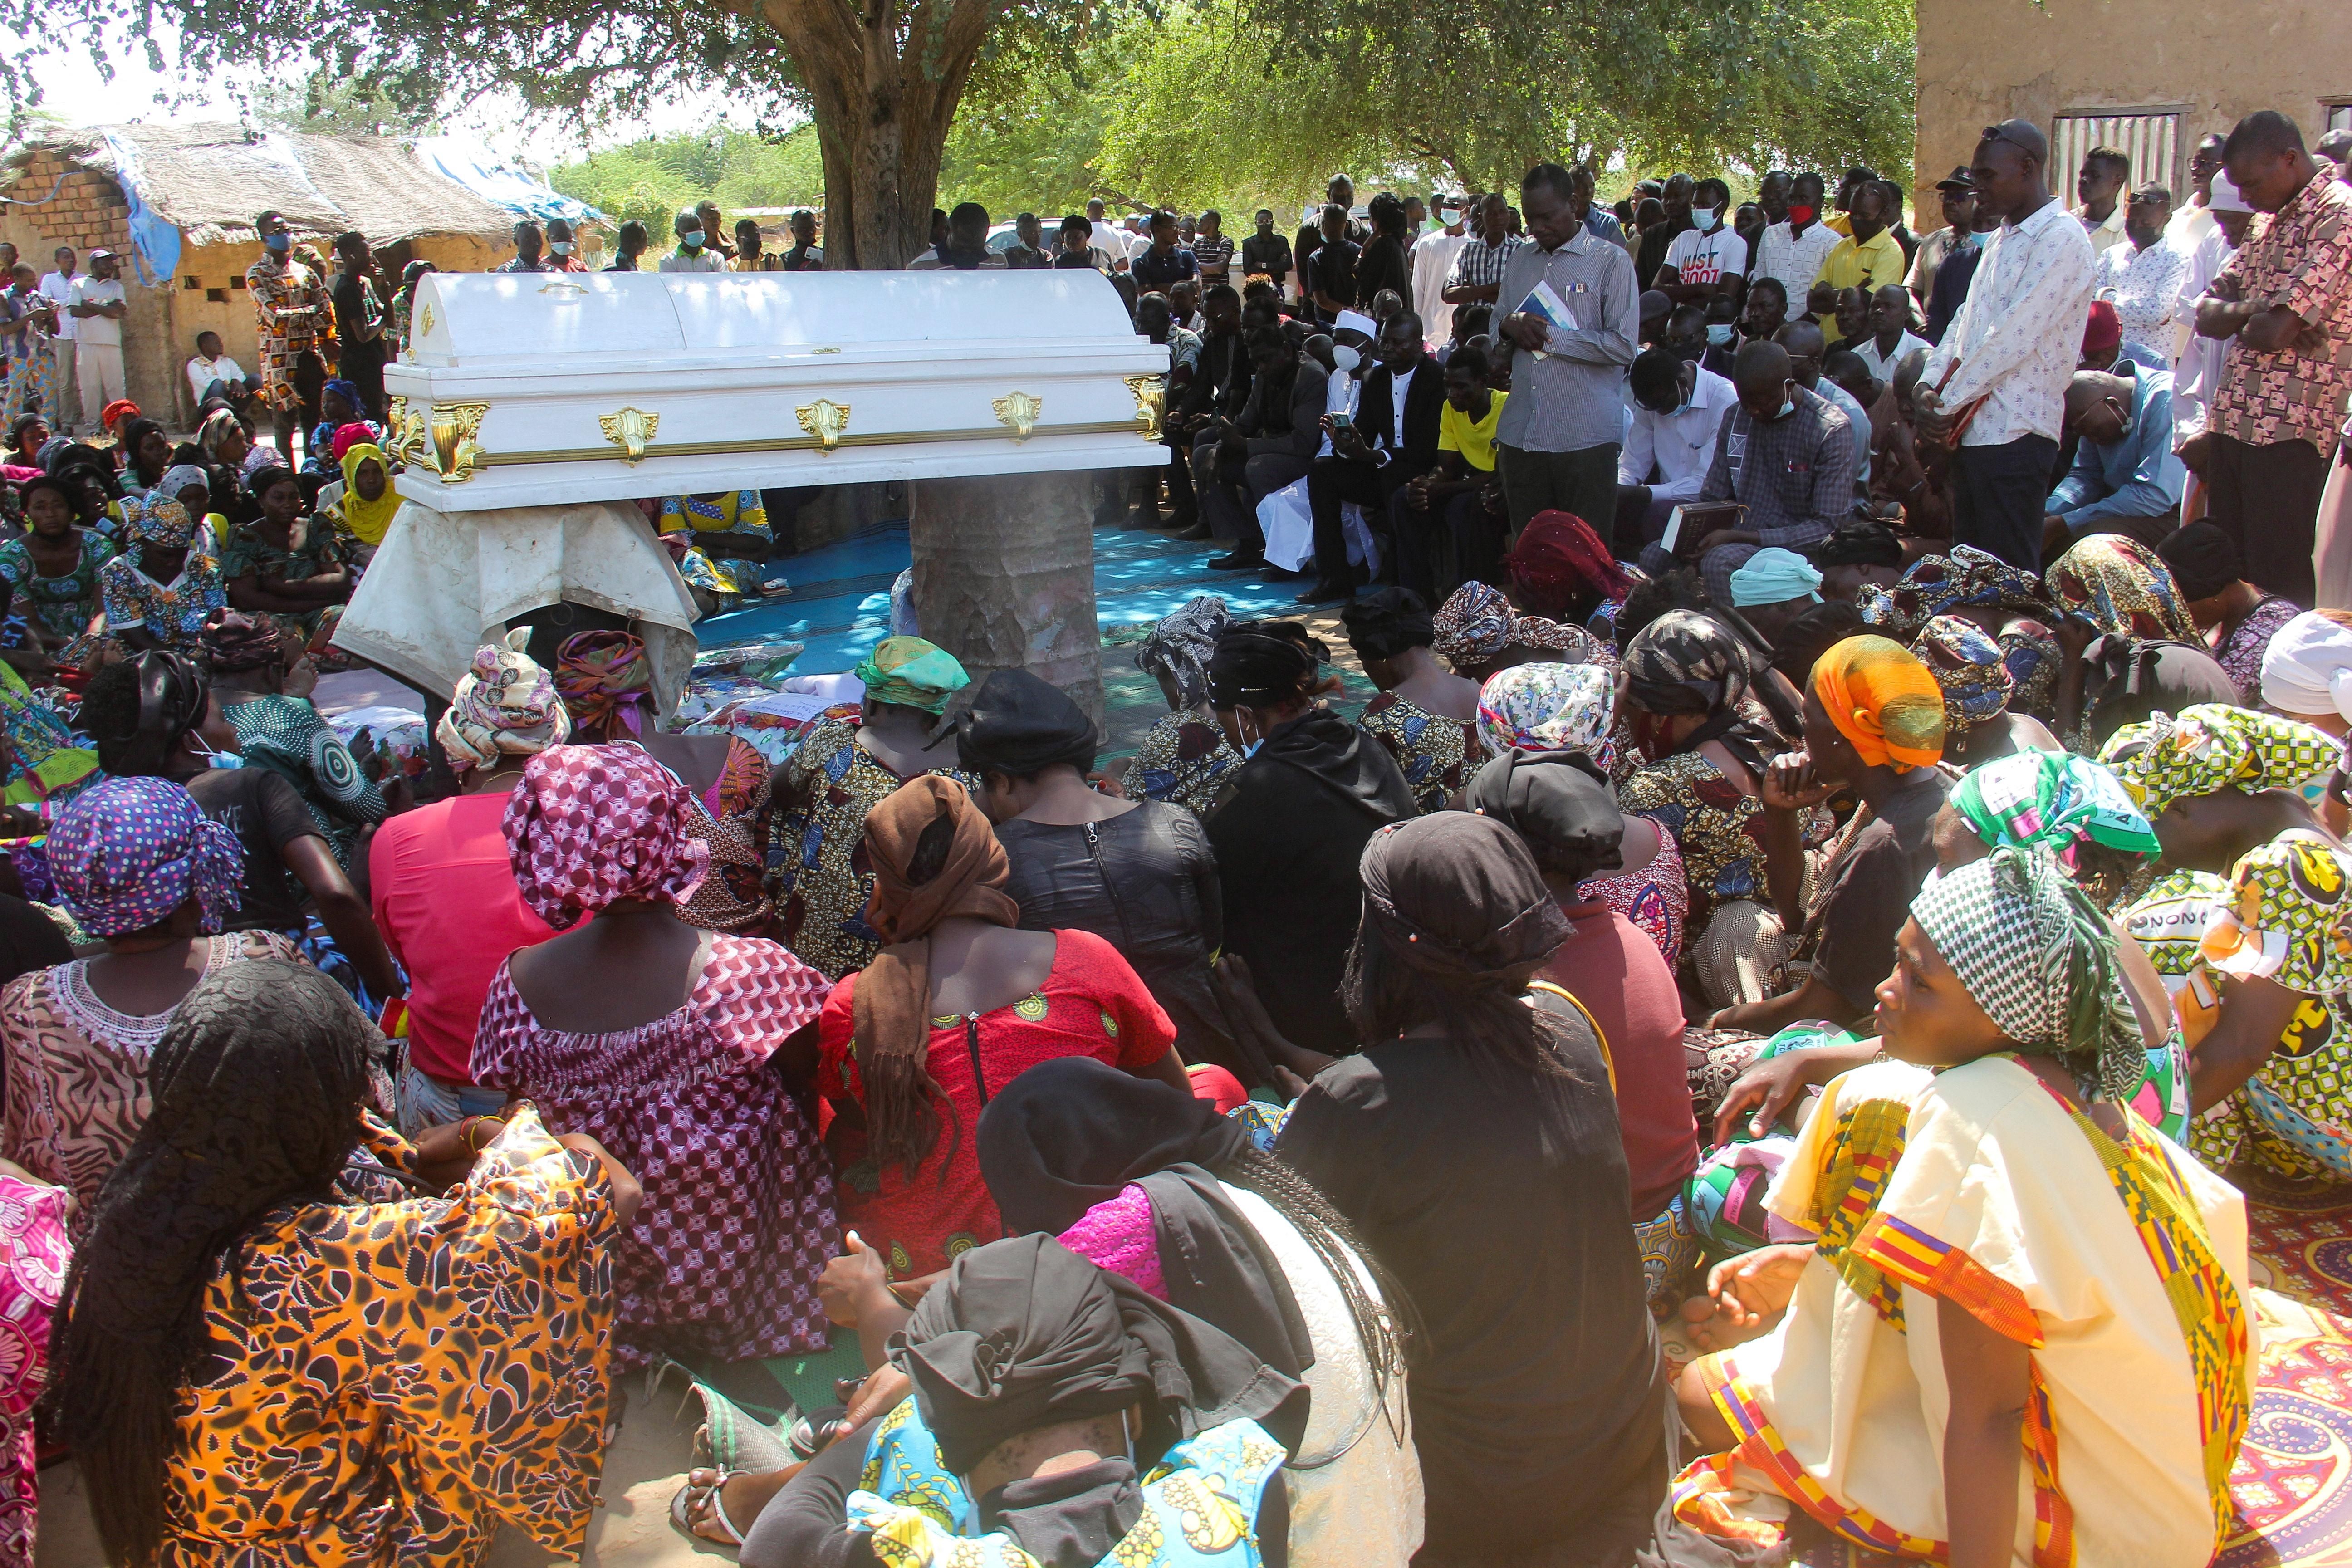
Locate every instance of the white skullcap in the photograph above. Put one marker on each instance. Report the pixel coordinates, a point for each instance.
(1359, 321)
(2226, 197)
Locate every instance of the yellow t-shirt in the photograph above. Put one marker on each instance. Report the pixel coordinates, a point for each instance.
(1848, 265)
(1475, 439)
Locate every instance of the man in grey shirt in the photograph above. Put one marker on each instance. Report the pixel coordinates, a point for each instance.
(1558, 435)
(1787, 455)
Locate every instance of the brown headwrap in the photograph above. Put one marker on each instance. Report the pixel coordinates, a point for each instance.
(889, 1022)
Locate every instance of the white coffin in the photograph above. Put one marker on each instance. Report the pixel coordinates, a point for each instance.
(539, 389)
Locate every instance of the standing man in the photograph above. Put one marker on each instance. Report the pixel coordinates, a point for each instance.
(289, 301)
(1867, 257)
(1340, 192)
(1027, 251)
(96, 305)
(1600, 220)
(1675, 198)
(2106, 171)
(692, 254)
(1212, 249)
(805, 256)
(1562, 428)
(1433, 263)
(530, 250)
(714, 224)
(1108, 237)
(1330, 270)
(966, 250)
(2142, 276)
(563, 248)
(749, 255)
(57, 289)
(1791, 251)
(1960, 199)
(1708, 257)
(2284, 303)
(2010, 355)
(2191, 221)
(1164, 263)
(634, 243)
(359, 321)
(1266, 252)
(1478, 267)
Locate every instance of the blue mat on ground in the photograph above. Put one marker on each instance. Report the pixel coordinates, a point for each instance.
(840, 606)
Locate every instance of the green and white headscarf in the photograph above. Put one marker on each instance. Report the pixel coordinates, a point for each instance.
(2041, 961)
(2054, 799)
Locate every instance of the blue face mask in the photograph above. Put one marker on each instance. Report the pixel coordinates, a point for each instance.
(1706, 220)
(1787, 406)
(1719, 332)
(221, 760)
(691, 241)
(279, 243)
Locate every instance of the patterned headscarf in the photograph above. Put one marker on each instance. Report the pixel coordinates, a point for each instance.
(2126, 587)
(1180, 647)
(1968, 665)
(2056, 800)
(1474, 624)
(593, 824)
(178, 481)
(1937, 585)
(504, 706)
(1557, 557)
(129, 851)
(911, 673)
(1884, 700)
(235, 641)
(215, 430)
(348, 391)
(605, 675)
(2041, 961)
(2215, 746)
(159, 521)
(1549, 708)
(1686, 662)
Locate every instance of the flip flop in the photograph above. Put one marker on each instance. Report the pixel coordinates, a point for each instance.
(681, 1510)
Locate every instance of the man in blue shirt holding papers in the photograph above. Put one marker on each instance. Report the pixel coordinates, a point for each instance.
(1570, 322)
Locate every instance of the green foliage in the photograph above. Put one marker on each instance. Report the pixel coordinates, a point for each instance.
(323, 103)
(652, 179)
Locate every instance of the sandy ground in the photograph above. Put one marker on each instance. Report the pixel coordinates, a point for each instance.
(642, 1470)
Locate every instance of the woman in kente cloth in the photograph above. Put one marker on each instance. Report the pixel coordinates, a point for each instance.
(1059, 1414)
(2021, 1334)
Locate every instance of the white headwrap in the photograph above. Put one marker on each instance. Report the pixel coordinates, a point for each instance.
(2227, 197)
(2307, 668)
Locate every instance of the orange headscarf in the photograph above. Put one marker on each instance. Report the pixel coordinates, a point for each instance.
(1885, 700)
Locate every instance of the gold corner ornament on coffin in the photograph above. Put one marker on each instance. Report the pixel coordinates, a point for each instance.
(824, 419)
(1150, 404)
(631, 429)
(443, 440)
(1019, 410)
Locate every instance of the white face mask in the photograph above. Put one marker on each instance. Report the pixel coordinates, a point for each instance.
(1344, 356)
(1706, 219)
(560, 247)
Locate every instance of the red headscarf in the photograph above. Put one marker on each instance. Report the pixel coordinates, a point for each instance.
(1558, 556)
(351, 435)
(115, 413)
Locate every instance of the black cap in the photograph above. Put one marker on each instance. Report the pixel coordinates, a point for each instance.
(1958, 179)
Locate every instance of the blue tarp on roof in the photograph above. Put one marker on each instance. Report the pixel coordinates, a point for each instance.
(482, 172)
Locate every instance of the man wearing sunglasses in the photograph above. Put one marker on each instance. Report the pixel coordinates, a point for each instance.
(1995, 388)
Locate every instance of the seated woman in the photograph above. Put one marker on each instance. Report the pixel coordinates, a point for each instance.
(2236, 619)
(2306, 671)
(146, 454)
(191, 484)
(286, 566)
(721, 539)
(655, 1038)
(607, 682)
(1138, 874)
(144, 870)
(1570, 708)
(1478, 632)
(248, 658)
(1184, 758)
(2130, 648)
(1540, 1435)
(1857, 556)
(1040, 1398)
(53, 570)
(844, 763)
(1977, 686)
(2009, 1251)
(157, 593)
(444, 891)
(341, 403)
(2248, 930)
(957, 1004)
(1291, 827)
(1702, 744)
(1561, 807)
(226, 442)
(1559, 568)
(223, 1406)
(2009, 604)
(362, 514)
(1426, 716)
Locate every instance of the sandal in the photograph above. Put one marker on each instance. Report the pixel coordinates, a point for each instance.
(681, 1510)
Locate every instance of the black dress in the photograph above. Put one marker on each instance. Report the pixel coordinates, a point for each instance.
(1288, 828)
(1538, 1406)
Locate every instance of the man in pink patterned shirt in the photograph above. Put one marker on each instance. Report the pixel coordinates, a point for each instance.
(2284, 300)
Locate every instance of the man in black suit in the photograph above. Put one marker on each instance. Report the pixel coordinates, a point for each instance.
(1268, 447)
(1219, 390)
(1391, 441)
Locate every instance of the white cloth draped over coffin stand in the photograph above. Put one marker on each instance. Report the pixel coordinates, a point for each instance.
(443, 583)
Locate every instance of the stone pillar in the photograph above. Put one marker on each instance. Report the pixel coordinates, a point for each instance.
(1004, 576)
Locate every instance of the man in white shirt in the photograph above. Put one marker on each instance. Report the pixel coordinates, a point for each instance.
(56, 288)
(1890, 339)
(1676, 408)
(1433, 263)
(97, 306)
(2142, 276)
(1708, 258)
(2191, 221)
(1792, 253)
(2197, 368)
(2011, 352)
(2100, 184)
(212, 373)
(1108, 237)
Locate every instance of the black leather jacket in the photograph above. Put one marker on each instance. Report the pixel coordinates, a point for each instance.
(1145, 882)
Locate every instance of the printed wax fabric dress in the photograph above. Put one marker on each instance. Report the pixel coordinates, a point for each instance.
(1438, 754)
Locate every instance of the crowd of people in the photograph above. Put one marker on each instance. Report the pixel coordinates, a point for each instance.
(1783, 905)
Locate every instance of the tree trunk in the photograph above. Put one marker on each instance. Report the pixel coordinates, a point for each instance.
(884, 83)
(1004, 576)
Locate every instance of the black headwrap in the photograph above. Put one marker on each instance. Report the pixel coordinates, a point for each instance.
(1019, 723)
(1458, 898)
(257, 1087)
(1253, 668)
(2204, 560)
(1069, 1134)
(1560, 802)
(1858, 545)
(1812, 634)
(174, 692)
(1386, 623)
(1023, 1334)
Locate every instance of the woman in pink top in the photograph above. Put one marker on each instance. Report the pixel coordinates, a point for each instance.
(444, 891)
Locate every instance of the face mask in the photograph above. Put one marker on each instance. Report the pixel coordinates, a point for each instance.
(1719, 332)
(691, 241)
(1787, 406)
(1346, 358)
(1801, 214)
(560, 247)
(279, 243)
(224, 761)
(1706, 220)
